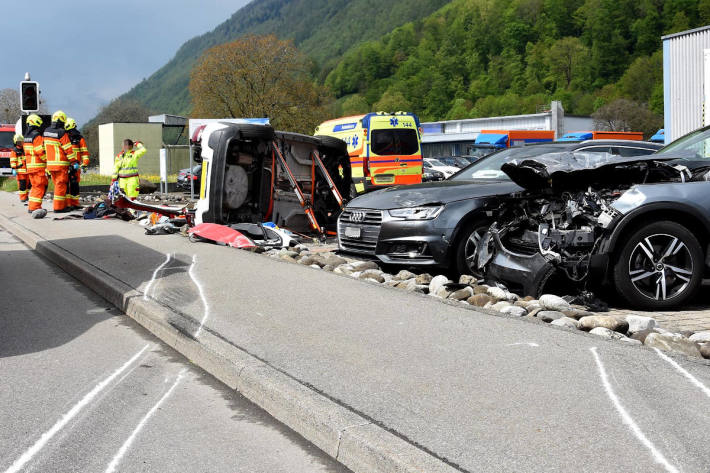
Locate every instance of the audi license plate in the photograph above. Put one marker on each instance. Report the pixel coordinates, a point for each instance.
(352, 232)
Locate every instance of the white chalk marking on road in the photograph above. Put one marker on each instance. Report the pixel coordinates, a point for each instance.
(626, 418)
(155, 275)
(530, 344)
(191, 273)
(61, 423)
(682, 371)
(127, 444)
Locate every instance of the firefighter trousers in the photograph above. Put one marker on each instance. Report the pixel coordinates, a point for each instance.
(130, 185)
(73, 193)
(38, 182)
(23, 185)
(61, 183)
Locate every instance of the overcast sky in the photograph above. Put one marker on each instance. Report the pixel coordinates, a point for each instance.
(86, 52)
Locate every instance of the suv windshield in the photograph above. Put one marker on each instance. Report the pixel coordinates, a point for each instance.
(489, 167)
(6, 139)
(695, 145)
(394, 142)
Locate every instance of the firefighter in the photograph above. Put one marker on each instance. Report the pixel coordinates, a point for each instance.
(19, 166)
(60, 157)
(126, 167)
(36, 162)
(81, 151)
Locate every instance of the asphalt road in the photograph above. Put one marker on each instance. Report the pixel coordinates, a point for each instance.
(86, 389)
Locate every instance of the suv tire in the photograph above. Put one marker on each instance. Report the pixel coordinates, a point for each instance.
(660, 266)
(255, 132)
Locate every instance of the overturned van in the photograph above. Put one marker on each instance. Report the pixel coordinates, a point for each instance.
(253, 174)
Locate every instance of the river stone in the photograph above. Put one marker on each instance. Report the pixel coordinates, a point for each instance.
(605, 333)
(496, 293)
(701, 337)
(549, 315)
(479, 300)
(641, 336)
(637, 323)
(288, 258)
(404, 275)
(576, 313)
(566, 322)
(364, 265)
(424, 278)
(441, 293)
(593, 321)
(285, 252)
(437, 283)
(328, 268)
(462, 294)
(391, 283)
(534, 312)
(343, 269)
(333, 260)
(482, 289)
(705, 350)
(308, 261)
(374, 274)
(467, 279)
(553, 302)
(513, 311)
(672, 342)
(501, 305)
(510, 297)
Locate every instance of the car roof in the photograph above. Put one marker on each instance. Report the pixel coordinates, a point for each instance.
(643, 144)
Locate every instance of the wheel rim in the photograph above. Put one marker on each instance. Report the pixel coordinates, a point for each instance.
(471, 248)
(660, 267)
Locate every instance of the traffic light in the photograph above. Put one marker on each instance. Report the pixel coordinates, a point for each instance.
(29, 96)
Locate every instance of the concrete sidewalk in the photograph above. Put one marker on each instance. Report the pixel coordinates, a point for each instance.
(382, 379)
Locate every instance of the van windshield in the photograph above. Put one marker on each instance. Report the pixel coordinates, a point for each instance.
(6, 139)
(394, 142)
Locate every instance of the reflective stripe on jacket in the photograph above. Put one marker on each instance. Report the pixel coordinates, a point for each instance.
(79, 145)
(60, 152)
(17, 160)
(35, 156)
(126, 163)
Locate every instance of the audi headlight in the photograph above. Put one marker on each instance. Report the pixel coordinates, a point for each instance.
(417, 213)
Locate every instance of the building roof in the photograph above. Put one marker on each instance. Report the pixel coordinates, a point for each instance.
(683, 33)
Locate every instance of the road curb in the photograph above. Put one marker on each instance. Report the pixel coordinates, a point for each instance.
(346, 435)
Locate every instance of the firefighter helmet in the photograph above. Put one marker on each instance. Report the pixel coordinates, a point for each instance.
(18, 138)
(70, 124)
(34, 120)
(59, 116)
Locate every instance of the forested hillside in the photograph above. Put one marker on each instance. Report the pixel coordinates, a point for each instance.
(496, 57)
(323, 29)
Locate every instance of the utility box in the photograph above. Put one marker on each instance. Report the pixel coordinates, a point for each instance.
(686, 82)
(111, 136)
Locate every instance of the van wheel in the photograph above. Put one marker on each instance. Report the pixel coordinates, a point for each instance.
(330, 144)
(467, 247)
(255, 132)
(659, 266)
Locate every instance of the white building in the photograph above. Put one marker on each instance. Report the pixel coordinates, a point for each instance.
(686, 81)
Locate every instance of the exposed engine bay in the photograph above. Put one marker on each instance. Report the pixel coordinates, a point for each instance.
(550, 234)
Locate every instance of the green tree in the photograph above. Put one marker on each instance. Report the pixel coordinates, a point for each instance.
(355, 105)
(567, 61)
(392, 101)
(627, 115)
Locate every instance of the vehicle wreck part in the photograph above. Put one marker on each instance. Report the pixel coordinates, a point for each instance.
(659, 266)
(220, 234)
(236, 186)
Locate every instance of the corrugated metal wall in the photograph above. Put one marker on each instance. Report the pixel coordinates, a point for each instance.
(683, 81)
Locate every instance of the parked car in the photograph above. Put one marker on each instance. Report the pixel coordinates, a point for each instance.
(458, 162)
(436, 165)
(640, 225)
(186, 175)
(430, 175)
(440, 223)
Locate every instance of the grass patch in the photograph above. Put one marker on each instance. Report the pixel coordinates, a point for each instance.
(9, 184)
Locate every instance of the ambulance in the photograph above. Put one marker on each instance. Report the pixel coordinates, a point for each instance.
(384, 148)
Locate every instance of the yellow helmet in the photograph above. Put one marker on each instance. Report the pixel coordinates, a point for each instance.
(18, 138)
(34, 120)
(70, 124)
(59, 116)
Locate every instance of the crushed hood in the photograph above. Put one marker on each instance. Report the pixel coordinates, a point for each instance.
(579, 170)
(432, 193)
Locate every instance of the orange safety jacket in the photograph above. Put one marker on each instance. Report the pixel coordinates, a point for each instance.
(79, 144)
(60, 152)
(35, 157)
(17, 159)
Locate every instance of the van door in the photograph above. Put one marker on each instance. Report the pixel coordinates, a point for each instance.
(395, 156)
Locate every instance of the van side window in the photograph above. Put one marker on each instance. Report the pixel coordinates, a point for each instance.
(394, 142)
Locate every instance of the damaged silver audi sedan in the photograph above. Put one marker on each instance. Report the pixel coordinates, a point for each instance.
(585, 221)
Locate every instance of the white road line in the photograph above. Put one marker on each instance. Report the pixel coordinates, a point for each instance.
(61, 423)
(155, 275)
(191, 273)
(127, 444)
(530, 344)
(682, 371)
(626, 418)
